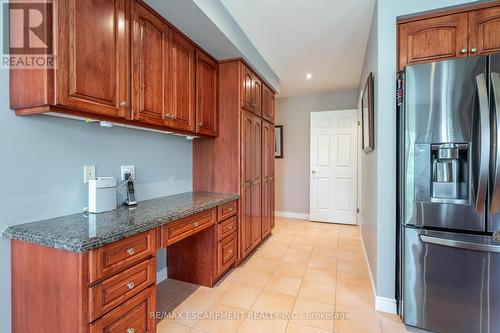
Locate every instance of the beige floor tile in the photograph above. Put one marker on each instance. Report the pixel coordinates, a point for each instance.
(345, 255)
(224, 319)
(354, 298)
(350, 245)
(250, 278)
(179, 286)
(167, 300)
(239, 296)
(320, 275)
(296, 258)
(300, 249)
(182, 314)
(269, 302)
(291, 270)
(354, 267)
(296, 327)
(357, 321)
(353, 280)
(264, 265)
(209, 294)
(168, 326)
(313, 313)
(263, 326)
(322, 262)
(321, 292)
(283, 284)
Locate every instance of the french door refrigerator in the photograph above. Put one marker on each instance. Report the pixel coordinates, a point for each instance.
(449, 195)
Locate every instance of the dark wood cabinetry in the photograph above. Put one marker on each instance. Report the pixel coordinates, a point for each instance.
(244, 149)
(457, 33)
(206, 95)
(120, 61)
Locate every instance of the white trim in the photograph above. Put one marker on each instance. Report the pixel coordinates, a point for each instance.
(385, 304)
(161, 275)
(292, 215)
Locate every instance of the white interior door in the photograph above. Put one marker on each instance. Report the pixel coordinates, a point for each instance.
(333, 171)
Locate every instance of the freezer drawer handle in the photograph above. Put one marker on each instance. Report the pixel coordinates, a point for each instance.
(460, 244)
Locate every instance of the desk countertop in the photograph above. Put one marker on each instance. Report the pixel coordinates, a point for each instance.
(84, 232)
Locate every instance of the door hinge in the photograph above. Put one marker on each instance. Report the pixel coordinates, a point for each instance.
(359, 123)
(357, 210)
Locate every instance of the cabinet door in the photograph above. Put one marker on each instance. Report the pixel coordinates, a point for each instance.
(246, 220)
(150, 70)
(267, 104)
(433, 39)
(256, 181)
(206, 95)
(182, 84)
(257, 96)
(484, 31)
(246, 89)
(267, 176)
(93, 59)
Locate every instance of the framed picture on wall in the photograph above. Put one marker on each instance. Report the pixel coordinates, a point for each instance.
(278, 141)
(368, 141)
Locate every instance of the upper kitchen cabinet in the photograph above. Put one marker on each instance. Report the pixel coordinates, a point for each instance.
(251, 91)
(92, 64)
(432, 39)
(267, 104)
(181, 91)
(151, 39)
(206, 95)
(484, 27)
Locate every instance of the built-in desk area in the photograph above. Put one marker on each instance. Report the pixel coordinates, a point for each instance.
(97, 273)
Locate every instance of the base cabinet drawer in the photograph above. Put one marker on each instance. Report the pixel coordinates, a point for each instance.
(227, 210)
(117, 289)
(227, 227)
(178, 230)
(115, 257)
(134, 316)
(226, 253)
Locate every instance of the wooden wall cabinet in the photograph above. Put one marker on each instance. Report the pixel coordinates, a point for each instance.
(206, 95)
(267, 104)
(120, 61)
(465, 32)
(243, 150)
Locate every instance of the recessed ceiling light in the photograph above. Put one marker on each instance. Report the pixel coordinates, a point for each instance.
(309, 76)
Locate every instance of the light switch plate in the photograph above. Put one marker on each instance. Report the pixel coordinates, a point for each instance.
(88, 173)
(128, 169)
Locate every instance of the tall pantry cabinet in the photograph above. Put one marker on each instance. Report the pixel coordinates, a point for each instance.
(241, 159)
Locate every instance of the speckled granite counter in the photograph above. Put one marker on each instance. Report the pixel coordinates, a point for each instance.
(84, 232)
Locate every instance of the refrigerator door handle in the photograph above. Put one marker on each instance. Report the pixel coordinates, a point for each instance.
(495, 193)
(460, 244)
(484, 137)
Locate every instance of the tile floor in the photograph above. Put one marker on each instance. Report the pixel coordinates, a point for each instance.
(307, 277)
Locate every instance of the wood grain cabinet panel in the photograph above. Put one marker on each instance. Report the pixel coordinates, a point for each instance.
(439, 38)
(227, 210)
(131, 317)
(181, 90)
(117, 289)
(267, 104)
(151, 72)
(178, 230)
(484, 31)
(207, 120)
(226, 252)
(227, 227)
(115, 257)
(251, 91)
(267, 177)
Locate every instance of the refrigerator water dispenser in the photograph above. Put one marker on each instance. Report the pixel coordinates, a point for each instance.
(450, 173)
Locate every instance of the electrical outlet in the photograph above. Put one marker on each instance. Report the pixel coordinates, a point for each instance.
(88, 173)
(128, 169)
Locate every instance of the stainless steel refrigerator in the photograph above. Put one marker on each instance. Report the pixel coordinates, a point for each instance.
(449, 195)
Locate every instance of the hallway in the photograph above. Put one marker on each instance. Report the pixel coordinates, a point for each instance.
(307, 277)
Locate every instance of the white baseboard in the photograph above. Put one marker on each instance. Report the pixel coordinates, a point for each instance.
(292, 215)
(386, 304)
(161, 275)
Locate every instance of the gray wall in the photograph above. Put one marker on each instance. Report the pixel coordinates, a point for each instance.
(41, 163)
(380, 211)
(292, 172)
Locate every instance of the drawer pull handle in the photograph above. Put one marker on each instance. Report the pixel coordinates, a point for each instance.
(130, 330)
(230, 209)
(130, 285)
(131, 251)
(195, 224)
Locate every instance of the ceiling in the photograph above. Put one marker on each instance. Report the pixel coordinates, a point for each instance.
(326, 38)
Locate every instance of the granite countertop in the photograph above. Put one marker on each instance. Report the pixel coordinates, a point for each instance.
(84, 232)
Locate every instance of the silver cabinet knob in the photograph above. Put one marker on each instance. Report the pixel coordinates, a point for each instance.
(130, 330)
(473, 50)
(131, 251)
(195, 224)
(123, 104)
(200, 123)
(131, 285)
(230, 209)
(464, 50)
